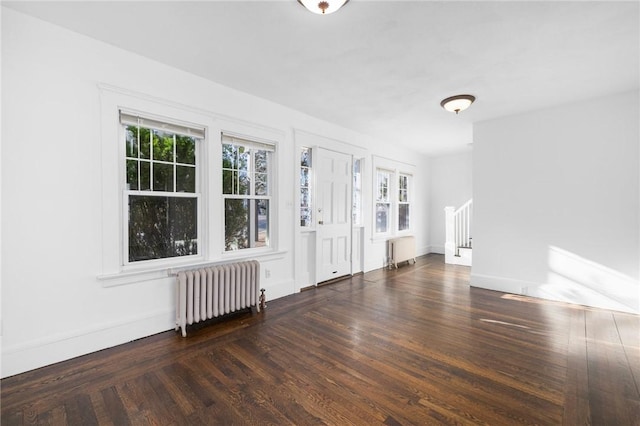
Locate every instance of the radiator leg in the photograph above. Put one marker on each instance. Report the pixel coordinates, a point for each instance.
(263, 299)
(178, 303)
(181, 299)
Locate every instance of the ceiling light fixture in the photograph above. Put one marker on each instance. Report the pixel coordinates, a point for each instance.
(322, 7)
(457, 103)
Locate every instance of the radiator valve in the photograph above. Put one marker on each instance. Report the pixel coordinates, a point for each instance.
(263, 299)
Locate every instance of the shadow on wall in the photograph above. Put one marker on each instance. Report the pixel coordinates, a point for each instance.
(574, 279)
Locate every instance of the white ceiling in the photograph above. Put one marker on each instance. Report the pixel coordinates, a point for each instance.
(382, 67)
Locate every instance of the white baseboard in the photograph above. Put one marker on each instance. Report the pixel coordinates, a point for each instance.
(278, 290)
(38, 353)
(372, 265)
(577, 295)
(506, 285)
(436, 249)
(63, 346)
(421, 251)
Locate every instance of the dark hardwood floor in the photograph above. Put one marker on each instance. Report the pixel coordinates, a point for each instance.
(412, 346)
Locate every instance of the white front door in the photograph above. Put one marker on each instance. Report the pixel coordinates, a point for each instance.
(333, 214)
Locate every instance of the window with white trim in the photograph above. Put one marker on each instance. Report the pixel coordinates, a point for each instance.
(305, 188)
(383, 201)
(161, 192)
(246, 192)
(393, 197)
(357, 191)
(404, 201)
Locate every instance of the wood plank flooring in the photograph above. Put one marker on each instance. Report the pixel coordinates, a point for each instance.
(411, 346)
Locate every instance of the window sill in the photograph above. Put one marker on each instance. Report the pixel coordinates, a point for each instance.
(265, 255)
(163, 272)
(132, 277)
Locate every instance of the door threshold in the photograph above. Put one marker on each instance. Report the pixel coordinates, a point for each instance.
(333, 280)
(323, 283)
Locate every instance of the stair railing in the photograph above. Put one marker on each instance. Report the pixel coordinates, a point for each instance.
(458, 229)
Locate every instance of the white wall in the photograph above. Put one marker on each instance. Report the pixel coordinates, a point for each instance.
(556, 203)
(1, 316)
(450, 184)
(54, 305)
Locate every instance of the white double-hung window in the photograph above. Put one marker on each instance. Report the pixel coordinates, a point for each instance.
(306, 214)
(357, 192)
(393, 194)
(383, 201)
(162, 194)
(180, 187)
(247, 192)
(404, 201)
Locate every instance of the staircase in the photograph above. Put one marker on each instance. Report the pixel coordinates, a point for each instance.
(457, 247)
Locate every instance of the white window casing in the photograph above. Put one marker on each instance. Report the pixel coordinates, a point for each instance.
(162, 207)
(305, 165)
(121, 107)
(247, 175)
(405, 197)
(392, 198)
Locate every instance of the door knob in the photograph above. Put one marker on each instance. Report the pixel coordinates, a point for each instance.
(320, 222)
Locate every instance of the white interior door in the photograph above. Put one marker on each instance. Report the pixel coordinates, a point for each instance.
(333, 214)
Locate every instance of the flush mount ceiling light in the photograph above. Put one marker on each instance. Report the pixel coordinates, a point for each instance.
(322, 7)
(457, 103)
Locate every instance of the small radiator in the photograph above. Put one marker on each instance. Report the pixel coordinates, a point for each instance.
(402, 249)
(210, 292)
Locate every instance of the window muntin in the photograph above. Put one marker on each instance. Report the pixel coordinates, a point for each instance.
(383, 202)
(246, 190)
(305, 188)
(160, 190)
(404, 205)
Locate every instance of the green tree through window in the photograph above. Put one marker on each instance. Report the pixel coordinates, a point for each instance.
(161, 192)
